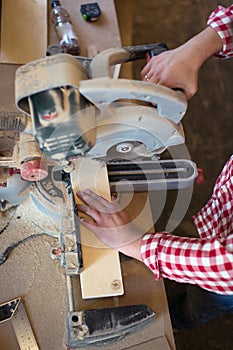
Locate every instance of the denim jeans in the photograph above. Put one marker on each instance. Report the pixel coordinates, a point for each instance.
(196, 306)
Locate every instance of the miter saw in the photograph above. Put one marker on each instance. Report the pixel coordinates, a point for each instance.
(77, 107)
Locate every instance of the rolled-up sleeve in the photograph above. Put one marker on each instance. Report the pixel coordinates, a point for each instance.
(204, 262)
(221, 20)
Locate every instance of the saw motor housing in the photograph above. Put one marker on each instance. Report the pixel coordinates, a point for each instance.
(63, 121)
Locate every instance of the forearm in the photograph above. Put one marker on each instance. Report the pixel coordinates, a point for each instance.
(132, 249)
(203, 45)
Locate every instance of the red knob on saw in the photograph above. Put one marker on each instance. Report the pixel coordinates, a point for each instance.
(34, 170)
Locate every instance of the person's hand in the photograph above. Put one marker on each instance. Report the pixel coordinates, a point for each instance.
(110, 223)
(173, 69)
(178, 68)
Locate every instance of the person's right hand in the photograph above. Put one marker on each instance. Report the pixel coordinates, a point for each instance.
(178, 68)
(174, 69)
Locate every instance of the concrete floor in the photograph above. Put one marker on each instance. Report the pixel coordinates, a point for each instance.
(208, 129)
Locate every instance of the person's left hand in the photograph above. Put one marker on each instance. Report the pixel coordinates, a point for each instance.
(109, 222)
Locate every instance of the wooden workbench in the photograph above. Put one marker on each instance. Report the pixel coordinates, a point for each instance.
(30, 272)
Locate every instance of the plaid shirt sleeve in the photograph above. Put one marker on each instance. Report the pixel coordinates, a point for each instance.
(221, 20)
(206, 261)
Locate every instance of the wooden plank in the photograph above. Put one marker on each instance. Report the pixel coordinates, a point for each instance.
(23, 30)
(7, 85)
(101, 276)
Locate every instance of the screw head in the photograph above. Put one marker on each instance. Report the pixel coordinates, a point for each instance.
(124, 147)
(116, 284)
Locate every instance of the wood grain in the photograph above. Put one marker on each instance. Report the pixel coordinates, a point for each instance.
(101, 276)
(23, 30)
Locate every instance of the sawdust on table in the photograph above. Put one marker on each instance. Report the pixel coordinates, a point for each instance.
(30, 273)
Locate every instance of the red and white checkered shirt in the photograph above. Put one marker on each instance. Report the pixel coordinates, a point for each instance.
(221, 20)
(206, 261)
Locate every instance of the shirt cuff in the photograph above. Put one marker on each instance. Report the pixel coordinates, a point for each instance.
(149, 252)
(221, 21)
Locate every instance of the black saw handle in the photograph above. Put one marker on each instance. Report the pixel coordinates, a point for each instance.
(140, 51)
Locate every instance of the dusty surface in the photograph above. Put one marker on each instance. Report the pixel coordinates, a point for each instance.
(30, 271)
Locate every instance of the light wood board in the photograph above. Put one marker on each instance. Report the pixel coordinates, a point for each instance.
(101, 276)
(23, 30)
